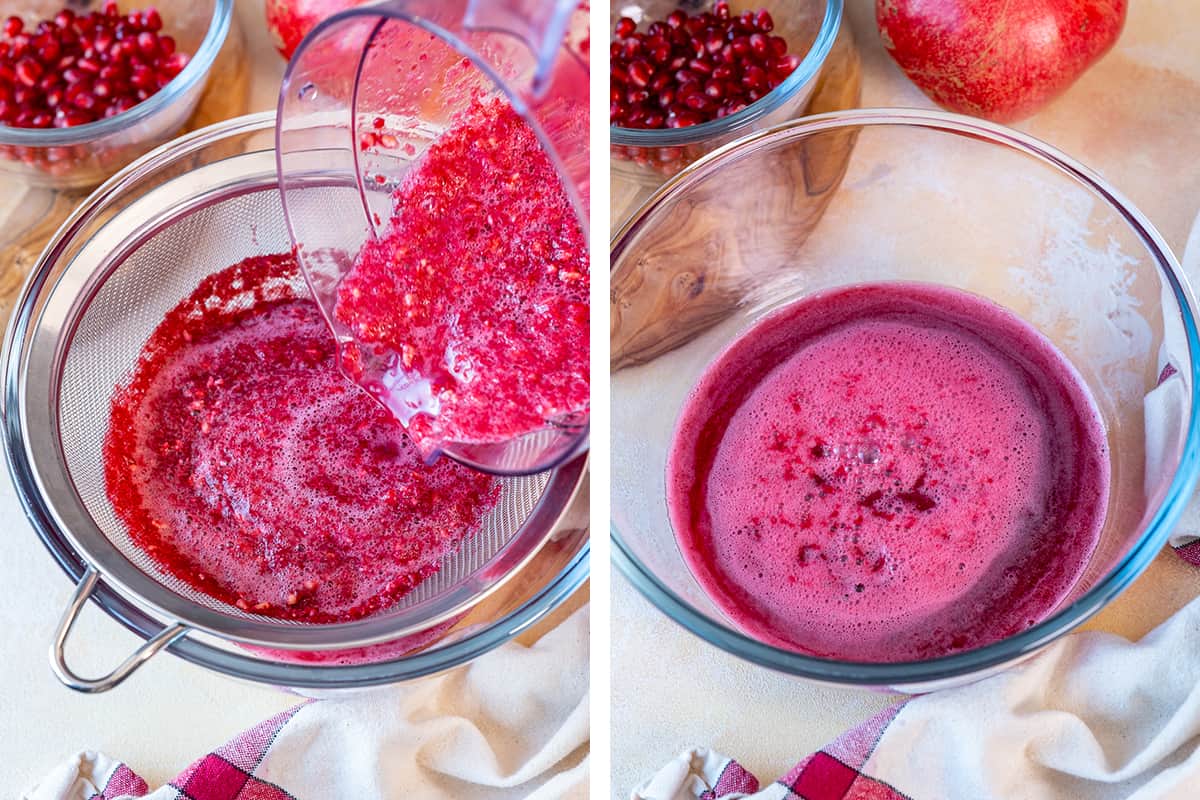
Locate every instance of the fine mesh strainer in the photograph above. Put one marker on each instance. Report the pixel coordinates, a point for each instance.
(135, 249)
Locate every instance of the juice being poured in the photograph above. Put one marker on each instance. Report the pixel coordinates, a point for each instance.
(469, 317)
(244, 463)
(888, 472)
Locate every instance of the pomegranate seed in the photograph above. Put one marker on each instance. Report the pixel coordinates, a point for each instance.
(148, 43)
(85, 100)
(28, 71)
(759, 45)
(111, 9)
(754, 77)
(166, 45)
(152, 20)
(175, 63)
(42, 119)
(639, 73)
(8, 110)
(676, 19)
(721, 10)
(625, 27)
(64, 18)
(13, 26)
(46, 49)
(763, 21)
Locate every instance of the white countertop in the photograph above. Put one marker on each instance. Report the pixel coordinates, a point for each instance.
(1133, 118)
(169, 712)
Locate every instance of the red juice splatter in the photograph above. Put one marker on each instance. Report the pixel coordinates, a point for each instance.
(888, 472)
(243, 462)
(476, 299)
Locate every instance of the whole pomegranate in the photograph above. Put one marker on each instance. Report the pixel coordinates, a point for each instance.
(289, 21)
(997, 59)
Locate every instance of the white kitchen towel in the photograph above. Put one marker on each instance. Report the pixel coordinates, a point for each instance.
(513, 724)
(1094, 717)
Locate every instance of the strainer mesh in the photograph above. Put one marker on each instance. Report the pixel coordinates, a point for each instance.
(147, 283)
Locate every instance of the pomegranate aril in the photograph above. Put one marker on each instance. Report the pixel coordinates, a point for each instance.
(152, 20)
(759, 45)
(28, 71)
(166, 45)
(64, 18)
(175, 63)
(676, 19)
(754, 77)
(625, 27)
(148, 43)
(85, 100)
(639, 73)
(13, 25)
(715, 89)
(46, 49)
(763, 21)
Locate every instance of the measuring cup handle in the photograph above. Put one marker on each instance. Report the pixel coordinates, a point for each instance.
(58, 660)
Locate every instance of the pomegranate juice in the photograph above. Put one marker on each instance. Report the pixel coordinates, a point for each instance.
(245, 464)
(888, 472)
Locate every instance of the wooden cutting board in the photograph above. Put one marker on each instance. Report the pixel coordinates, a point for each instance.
(685, 279)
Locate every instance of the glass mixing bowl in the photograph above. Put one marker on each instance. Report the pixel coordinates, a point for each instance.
(924, 196)
(647, 157)
(83, 156)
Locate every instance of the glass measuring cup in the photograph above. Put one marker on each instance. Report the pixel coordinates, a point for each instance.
(364, 97)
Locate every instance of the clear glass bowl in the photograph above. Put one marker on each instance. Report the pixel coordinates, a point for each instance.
(924, 196)
(84, 156)
(648, 157)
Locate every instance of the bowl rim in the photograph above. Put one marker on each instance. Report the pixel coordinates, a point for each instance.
(808, 69)
(914, 674)
(196, 70)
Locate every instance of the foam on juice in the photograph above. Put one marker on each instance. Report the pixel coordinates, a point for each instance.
(888, 472)
(246, 465)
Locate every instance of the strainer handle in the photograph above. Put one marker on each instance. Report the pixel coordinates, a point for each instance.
(58, 661)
